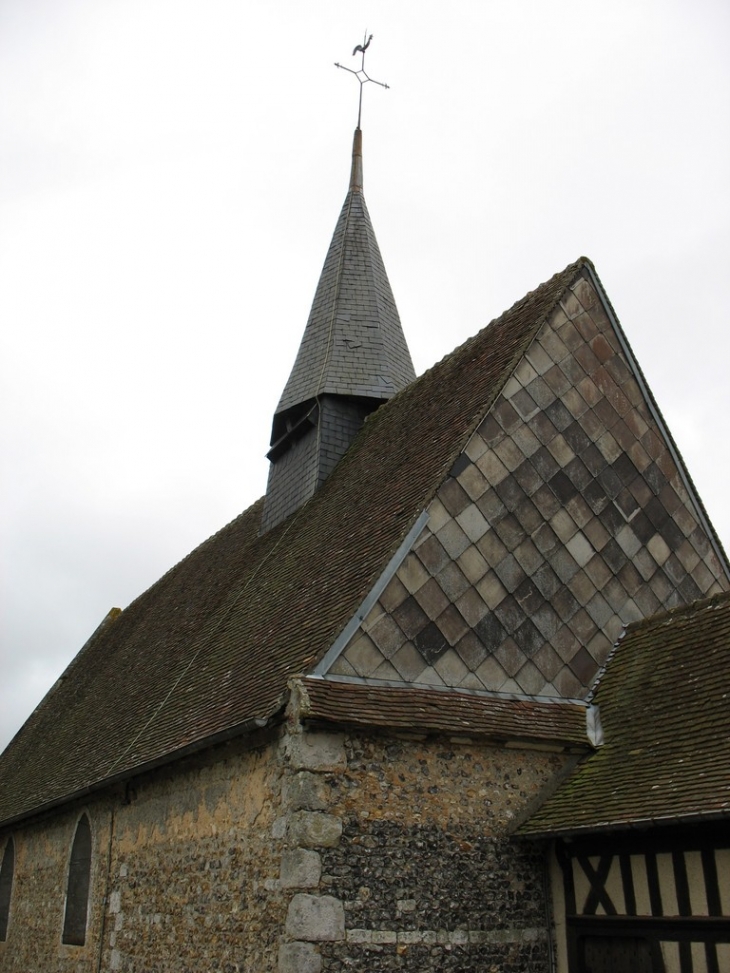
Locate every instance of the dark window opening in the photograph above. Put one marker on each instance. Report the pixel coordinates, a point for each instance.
(6, 887)
(77, 892)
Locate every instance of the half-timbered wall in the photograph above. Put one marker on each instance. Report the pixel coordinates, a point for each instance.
(651, 903)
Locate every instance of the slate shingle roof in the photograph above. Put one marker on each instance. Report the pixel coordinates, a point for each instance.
(353, 344)
(665, 709)
(408, 708)
(209, 648)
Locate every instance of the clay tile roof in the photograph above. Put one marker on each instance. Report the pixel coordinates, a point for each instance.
(665, 708)
(445, 711)
(208, 649)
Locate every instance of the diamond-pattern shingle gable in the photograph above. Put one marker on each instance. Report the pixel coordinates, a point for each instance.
(664, 708)
(567, 515)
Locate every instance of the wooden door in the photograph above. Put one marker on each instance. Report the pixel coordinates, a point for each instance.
(611, 954)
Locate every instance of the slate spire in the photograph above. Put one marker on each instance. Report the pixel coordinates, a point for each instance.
(352, 358)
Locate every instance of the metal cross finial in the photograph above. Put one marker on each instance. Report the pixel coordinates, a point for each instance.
(360, 74)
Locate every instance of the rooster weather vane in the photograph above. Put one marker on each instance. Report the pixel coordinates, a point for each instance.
(360, 74)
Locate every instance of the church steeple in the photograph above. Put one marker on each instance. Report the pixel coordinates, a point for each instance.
(352, 358)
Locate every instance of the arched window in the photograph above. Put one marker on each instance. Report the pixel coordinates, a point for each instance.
(77, 891)
(6, 886)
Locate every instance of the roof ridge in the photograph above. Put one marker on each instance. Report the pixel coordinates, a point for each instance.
(414, 387)
(693, 608)
(523, 302)
(522, 305)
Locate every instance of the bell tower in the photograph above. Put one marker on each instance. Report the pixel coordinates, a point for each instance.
(352, 358)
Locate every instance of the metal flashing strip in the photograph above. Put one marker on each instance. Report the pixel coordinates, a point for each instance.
(594, 726)
(658, 418)
(375, 592)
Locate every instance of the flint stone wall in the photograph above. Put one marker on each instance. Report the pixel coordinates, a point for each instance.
(42, 852)
(424, 870)
(319, 852)
(188, 883)
(193, 864)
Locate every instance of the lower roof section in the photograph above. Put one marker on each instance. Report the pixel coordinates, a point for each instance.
(413, 709)
(664, 708)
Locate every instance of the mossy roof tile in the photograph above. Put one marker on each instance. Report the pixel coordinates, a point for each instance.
(665, 709)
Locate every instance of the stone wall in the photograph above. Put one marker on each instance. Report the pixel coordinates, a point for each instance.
(315, 853)
(188, 882)
(192, 860)
(404, 860)
(42, 853)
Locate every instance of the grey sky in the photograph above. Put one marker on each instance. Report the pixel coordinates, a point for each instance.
(170, 177)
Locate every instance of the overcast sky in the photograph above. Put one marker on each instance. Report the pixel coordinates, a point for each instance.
(170, 176)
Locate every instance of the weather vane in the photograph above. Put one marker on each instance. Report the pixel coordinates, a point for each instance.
(360, 74)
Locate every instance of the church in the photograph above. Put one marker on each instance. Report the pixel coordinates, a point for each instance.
(452, 696)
